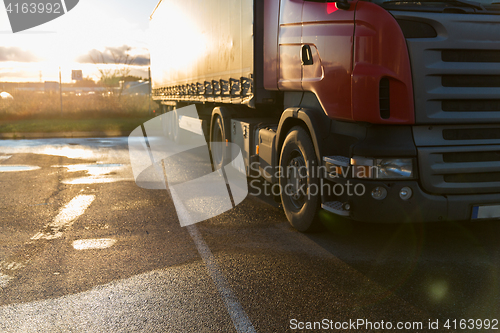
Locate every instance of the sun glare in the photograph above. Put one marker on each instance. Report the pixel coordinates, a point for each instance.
(66, 42)
(182, 48)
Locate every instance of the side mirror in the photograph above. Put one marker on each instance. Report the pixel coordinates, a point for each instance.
(343, 4)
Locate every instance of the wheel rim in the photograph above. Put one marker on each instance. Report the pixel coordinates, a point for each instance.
(169, 125)
(296, 179)
(217, 147)
(175, 125)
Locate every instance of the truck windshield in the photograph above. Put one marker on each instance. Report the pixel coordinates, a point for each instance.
(467, 6)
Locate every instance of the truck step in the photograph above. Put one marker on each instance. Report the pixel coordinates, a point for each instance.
(337, 160)
(335, 207)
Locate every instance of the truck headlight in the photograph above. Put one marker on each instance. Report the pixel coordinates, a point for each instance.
(394, 168)
(383, 168)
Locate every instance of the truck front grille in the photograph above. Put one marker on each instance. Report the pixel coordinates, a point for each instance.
(456, 75)
(489, 156)
(481, 81)
(470, 55)
(484, 133)
(471, 105)
(460, 169)
(473, 177)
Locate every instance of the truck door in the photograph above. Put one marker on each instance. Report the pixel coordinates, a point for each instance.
(327, 42)
(289, 40)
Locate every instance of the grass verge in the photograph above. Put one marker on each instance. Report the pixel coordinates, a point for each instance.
(124, 124)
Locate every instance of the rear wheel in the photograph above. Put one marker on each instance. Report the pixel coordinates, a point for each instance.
(167, 124)
(174, 127)
(218, 143)
(298, 182)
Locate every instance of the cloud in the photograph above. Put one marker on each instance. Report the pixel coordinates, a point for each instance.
(115, 55)
(142, 60)
(16, 54)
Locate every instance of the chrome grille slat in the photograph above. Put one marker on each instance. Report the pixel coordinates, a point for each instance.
(472, 68)
(470, 55)
(444, 93)
(462, 80)
(464, 167)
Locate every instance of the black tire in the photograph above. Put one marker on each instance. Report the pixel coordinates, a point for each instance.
(167, 124)
(297, 159)
(174, 129)
(219, 151)
(164, 121)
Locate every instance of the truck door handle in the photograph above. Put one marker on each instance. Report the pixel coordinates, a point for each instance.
(307, 58)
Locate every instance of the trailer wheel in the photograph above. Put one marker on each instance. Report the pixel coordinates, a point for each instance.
(164, 121)
(174, 129)
(298, 182)
(219, 154)
(167, 124)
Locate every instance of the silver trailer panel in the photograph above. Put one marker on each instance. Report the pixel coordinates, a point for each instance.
(202, 50)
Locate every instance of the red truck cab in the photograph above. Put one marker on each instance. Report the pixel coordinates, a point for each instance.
(395, 102)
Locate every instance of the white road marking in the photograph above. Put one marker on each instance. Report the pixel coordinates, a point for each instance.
(4, 280)
(14, 168)
(66, 217)
(90, 244)
(238, 315)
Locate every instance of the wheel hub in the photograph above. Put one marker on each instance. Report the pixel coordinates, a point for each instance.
(296, 174)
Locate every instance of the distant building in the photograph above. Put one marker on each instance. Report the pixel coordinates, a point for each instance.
(21, 86)
(51, 87)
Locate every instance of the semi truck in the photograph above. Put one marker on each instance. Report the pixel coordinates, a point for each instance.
(391, 108)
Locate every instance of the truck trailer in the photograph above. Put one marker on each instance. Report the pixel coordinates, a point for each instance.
(376, 111)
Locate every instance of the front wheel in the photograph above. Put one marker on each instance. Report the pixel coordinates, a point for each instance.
(218, 144)
(298, 181)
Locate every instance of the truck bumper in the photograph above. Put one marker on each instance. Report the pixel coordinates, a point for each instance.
(421, 207)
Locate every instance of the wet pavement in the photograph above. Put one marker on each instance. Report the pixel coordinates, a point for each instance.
(83, 249)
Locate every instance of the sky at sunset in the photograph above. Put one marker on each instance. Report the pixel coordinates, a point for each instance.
(93, 27)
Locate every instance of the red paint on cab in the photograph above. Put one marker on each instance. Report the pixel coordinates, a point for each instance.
(330, 36)
(380, 51)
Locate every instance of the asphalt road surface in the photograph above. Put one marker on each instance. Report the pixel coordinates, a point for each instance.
(84, 249)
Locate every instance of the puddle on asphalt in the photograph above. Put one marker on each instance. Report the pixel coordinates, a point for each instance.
(103, 149)
(98, 173)
(91, 180)
(111, 165)
(68, 151)
(94, 169)
(14, 168)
